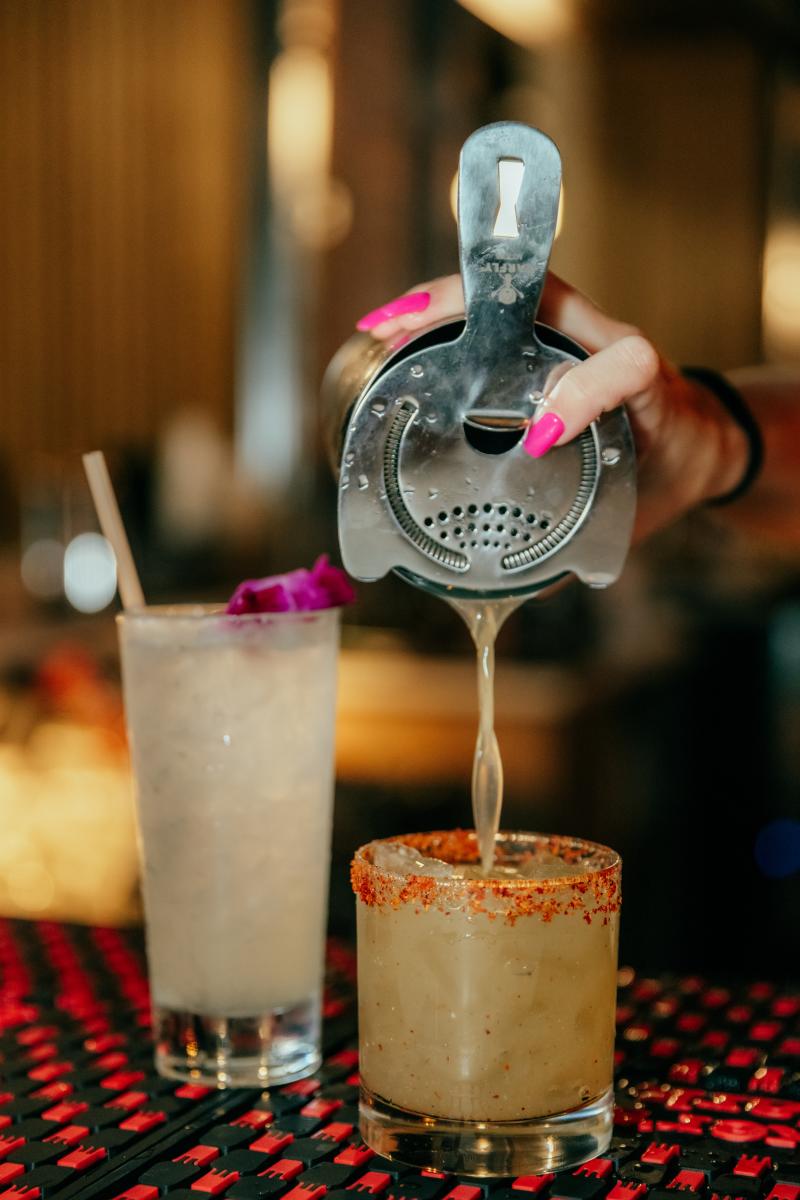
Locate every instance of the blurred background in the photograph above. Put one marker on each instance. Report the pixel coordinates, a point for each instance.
(198, 198)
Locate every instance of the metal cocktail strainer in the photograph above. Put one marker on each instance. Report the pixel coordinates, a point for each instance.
(434, 482)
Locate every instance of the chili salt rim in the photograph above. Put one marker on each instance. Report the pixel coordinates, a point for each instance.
(590, 892)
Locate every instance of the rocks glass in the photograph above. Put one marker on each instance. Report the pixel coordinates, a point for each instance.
(486, 1005)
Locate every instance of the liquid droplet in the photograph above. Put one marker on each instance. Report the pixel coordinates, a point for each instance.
(431, 418)
(611, 455)
(417, 371)
(349, 458)
(363, 483)
(378, 409)
(433, 493)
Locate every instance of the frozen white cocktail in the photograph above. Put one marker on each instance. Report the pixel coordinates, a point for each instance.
(231, 722)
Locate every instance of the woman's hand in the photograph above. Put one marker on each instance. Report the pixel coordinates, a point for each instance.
(688, 447)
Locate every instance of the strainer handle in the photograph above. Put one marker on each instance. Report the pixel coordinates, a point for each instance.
(509, 181)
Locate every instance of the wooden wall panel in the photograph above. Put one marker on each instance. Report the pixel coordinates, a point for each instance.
(124, 141)
(664, 149)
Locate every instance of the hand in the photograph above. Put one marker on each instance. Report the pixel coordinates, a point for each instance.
(689, 449)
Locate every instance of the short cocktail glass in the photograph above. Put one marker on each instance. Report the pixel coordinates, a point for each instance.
(486, 1005)
(231, 726)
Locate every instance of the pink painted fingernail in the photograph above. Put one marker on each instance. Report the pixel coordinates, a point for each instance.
(543, 435)
(414, 302)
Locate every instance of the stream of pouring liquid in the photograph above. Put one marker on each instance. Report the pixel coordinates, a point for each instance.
(484, 619)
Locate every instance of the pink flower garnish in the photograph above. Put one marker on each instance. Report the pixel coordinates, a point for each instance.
(323, 586)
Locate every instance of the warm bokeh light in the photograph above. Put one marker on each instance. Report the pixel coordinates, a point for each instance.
(454, 203)
(510, 172)
(529, 22)
(319, 208)
(322, 216)
(781, 290)
(66, 806)
(300, 131)
(300, 124)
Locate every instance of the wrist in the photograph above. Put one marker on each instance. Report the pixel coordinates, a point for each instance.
(732, 436)
(732, 455)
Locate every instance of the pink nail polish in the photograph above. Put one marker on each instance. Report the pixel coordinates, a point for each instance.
(414, 302)
(543, 435)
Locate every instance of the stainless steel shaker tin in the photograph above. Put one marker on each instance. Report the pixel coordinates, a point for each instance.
(434, 482)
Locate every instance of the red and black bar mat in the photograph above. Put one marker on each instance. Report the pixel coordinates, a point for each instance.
(708, 1082)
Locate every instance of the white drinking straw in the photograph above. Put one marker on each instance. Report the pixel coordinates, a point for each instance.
(110, 519)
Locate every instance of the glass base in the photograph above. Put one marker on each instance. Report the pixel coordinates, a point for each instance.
(264, 1051)
(485, 1148)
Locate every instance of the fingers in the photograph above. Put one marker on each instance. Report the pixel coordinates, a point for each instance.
(614, 375)
(428, 304)
(409, 304)
(565, 308)
(623, 364)
(562, 306)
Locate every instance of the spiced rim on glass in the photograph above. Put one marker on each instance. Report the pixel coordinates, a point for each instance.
(486, 1003)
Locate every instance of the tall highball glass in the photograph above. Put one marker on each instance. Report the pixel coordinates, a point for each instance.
(231, 726)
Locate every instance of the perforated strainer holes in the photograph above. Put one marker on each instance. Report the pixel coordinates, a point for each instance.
(490, 533)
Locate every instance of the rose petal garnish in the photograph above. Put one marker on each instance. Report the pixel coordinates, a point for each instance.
(324, 586)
